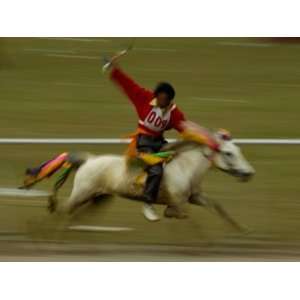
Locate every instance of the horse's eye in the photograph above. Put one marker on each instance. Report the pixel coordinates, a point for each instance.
(228, 154)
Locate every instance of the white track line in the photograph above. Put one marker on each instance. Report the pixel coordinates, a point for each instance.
(77, 39)
(64, 141)
(78, 84)
(54, 51)
(74, 56)
(155, 49)
(287, 85)
(73, 84)
(268, 141)
(99, 228)
(219, 100)
(13, 192)
(112, 141)
(244, 44)
(161, 70)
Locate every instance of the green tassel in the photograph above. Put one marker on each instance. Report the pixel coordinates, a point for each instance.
(164, 154)
(62, 177)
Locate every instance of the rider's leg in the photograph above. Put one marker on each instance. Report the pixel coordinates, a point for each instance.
(150, 145)
(154, 177)
(151, 191)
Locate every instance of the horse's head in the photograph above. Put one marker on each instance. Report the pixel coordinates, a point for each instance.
(230, 158)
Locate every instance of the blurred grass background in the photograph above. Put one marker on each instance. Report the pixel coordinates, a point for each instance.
(54, 88)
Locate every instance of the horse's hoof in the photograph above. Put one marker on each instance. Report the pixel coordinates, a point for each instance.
(171, 212)
(51, 208)
(182, 216)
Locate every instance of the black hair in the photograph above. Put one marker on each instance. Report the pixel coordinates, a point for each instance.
(165, 87)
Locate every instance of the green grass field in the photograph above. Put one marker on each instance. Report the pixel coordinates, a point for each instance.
(54, 88)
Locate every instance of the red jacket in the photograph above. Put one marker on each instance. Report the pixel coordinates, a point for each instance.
(152, 119)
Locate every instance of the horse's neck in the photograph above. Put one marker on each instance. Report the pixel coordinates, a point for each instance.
(195, 161)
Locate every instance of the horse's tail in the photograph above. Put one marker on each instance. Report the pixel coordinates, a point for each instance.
(64, 162)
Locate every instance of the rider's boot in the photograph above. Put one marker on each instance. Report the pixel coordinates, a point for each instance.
(150, 213)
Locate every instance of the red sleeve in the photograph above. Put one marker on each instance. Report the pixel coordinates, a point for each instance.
(176, 118)
(135, 93)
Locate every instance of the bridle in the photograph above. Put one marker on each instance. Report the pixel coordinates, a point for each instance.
(211, 156)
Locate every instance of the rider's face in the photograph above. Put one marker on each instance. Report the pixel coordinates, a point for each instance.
(162, 100)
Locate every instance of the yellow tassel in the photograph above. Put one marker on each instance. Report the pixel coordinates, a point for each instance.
(196, 137)
(150, 159)
(141, 179)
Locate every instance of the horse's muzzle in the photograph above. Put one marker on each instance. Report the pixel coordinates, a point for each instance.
(244, 176)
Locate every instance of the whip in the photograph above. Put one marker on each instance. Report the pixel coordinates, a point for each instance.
(108, 61)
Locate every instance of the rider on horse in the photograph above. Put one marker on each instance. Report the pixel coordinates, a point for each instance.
(157, 112)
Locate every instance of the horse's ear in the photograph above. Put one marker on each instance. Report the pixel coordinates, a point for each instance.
(224, 134)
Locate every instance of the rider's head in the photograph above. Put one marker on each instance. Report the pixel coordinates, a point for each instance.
(164, 93)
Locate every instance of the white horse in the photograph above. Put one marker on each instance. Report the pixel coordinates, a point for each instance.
(181, 182)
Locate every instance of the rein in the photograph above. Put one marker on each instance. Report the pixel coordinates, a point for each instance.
(210, 157)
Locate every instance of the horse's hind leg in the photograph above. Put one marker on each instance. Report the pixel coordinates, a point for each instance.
(99, 198)
(52, 203)
(76, 200)
(52, 200)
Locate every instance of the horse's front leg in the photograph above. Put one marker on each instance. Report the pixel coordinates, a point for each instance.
(215, 208)
(197, 198)
(176, 207)
(174, 211)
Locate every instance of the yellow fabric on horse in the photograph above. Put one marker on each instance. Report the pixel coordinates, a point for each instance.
(190, 131)
(194, 132)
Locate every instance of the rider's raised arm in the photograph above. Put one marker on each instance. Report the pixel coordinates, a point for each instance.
(135, 93)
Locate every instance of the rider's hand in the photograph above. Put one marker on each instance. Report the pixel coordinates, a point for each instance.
(114, 62)
(109, 64)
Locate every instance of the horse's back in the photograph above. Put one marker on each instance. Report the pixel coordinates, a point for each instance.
(110, 163)
(105, 171)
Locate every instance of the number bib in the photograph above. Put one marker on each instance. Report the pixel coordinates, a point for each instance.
(156, 120)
